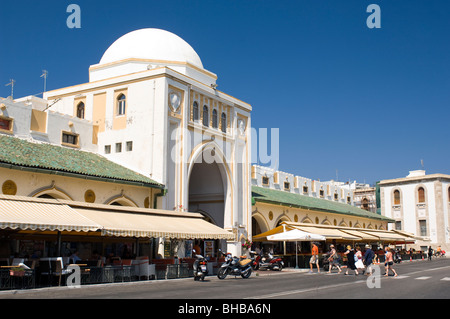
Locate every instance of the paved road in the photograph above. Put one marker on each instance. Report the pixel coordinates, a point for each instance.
(417, 280)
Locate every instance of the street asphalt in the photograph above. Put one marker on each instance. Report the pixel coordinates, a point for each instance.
(416, 280)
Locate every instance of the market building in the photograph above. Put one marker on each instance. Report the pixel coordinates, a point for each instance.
(149, 134)
(419, 204)
(156, 110)
(283, 202)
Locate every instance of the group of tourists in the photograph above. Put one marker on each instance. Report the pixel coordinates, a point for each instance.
(356, 260)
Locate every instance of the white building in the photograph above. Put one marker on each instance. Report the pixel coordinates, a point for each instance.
(419, 204)
(331, 190)
(157, 111)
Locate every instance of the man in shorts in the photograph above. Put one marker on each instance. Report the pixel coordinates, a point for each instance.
(314, 258)
(389, 262)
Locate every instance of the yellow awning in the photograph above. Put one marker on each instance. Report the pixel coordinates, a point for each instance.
(276, 230)
(24, 213)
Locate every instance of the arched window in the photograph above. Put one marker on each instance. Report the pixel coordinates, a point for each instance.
(223, 122)
(195, 114)
(421, 194)
(205, 116)
(121, 104)
(80, 110)
(215, 123)
(396, 197)
(365, 204)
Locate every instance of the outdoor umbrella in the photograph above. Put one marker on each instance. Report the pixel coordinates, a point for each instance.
(295, 235)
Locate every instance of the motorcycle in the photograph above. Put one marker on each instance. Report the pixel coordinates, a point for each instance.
(200, 269)
(269, 262)
(397, 258)
(235, 266)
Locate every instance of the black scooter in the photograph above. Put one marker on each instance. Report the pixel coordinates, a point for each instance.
(236, 266)
(200, 269)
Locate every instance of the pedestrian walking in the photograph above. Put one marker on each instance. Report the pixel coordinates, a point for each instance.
(430, 253)
(389, 262)
(314, 258)
(350, 253)
(368, 259)
(334, 259)
(358, 260)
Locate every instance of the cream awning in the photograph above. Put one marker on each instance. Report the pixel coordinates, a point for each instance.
(25, 213)
(329, 233)
(144, 224)
(364, 236)
(38, 214)
(387, 235)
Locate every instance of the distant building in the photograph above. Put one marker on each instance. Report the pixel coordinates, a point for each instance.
(282, 197)
(419, 204)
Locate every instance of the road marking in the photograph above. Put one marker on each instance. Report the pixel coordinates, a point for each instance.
(422, 278)
(401, 277)
(446, 279)
(292, 292)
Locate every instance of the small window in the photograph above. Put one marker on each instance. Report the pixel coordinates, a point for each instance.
(205, 116)
(349, 200)
(287, 186)
(215, 122)
(107, 149)
(223, 122)
(195, 114)
(396, 197)
(129, 146)
(265, 180)
(6, 124)
(421, 194)
(121, 104)
(80, 110)
(423, 227)
(70, 139)
(398, 225)
(336, 196)
(118, 147)
(305, 189)
(321, 193)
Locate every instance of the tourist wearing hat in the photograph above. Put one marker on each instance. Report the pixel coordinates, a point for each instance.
(334, 259)
(350, 260)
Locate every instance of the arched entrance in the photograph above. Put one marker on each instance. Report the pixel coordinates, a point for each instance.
(207, 191)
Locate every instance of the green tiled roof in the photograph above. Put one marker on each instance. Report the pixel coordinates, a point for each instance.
(272, 196)
(66, 161)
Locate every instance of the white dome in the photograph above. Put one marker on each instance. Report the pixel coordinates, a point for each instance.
(153, 44)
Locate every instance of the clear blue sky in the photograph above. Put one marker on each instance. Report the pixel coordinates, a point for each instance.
(370, 103)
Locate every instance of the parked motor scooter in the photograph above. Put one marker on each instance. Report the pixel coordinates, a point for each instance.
(200, 269)
(235, 266)
(269, 262)
(397, 258)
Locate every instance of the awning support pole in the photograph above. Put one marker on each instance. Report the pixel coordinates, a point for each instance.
(58, 245)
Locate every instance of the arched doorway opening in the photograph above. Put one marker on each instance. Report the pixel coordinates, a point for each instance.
(207, 191)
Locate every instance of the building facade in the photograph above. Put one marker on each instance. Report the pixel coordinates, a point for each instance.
(281, 197)
(156, 110)
(419, 204)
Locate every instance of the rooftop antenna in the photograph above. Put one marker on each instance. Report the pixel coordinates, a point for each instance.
(44, 75)
(421, 163)
(11, 83)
